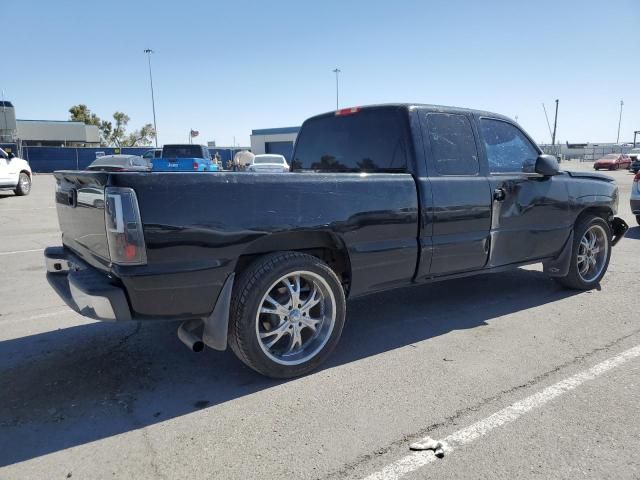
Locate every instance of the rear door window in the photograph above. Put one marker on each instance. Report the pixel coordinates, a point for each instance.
(508, 149)
(371, 140)
(453, 146)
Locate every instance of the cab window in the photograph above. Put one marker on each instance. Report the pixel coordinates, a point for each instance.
(453, 146)
(371, 140)
(508, 149)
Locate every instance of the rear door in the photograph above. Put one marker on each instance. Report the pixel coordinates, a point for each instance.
(530, 213)
(460, 210)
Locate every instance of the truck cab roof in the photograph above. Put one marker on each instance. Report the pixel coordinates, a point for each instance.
(411, 106)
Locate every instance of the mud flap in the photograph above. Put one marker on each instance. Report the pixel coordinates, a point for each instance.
(559, 266)
(216, 325)
(618, 228)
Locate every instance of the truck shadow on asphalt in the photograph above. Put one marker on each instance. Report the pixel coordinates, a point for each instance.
(73, 386)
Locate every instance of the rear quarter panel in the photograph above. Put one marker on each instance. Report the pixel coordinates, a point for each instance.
(197, 225)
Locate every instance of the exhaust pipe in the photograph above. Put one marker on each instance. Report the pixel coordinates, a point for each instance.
(190, 339)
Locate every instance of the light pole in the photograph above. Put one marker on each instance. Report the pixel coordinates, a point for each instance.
(555, 124)
(337, 72)
(619, 121)
(148, 51)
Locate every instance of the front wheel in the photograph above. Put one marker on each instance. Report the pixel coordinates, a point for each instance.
(287, 314)
(590, 254)
(24, 184)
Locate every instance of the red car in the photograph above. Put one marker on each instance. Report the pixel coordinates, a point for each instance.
(613, 161)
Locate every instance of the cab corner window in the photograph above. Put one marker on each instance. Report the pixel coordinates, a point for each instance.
(508, 149)
(453, 146)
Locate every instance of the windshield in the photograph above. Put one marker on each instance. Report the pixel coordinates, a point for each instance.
(113, 160)
(268, 159)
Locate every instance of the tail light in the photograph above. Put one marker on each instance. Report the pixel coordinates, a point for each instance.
(124, 227)
(196, 165)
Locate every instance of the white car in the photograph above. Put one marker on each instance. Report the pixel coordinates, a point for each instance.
(269, 163)
(15, 174)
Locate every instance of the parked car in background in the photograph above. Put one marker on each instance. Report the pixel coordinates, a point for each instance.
(185, 158)
(635, 197)
(153, 153)
(15, 173)
(120, 163)
(612, 161)
(268, 163)
(380, 197)
(634, 154)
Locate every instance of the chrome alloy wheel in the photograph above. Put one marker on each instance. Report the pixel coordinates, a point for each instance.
(592, 253)
(295, 318)
(25, 184)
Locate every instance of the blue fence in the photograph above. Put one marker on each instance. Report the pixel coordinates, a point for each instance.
(49, 159)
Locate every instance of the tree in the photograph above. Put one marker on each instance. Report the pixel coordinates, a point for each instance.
(81, 113)
(114, 133)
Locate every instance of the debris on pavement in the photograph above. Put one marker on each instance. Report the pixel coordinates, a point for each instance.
(429, 443)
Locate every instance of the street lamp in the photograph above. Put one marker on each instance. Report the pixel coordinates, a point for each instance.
(148, 51)
(619, 121)
(337, 72)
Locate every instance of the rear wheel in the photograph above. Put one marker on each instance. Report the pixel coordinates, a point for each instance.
(590, 255)
(287, 314)
(24, 184)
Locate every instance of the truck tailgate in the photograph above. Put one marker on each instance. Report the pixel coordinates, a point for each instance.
(80, 206)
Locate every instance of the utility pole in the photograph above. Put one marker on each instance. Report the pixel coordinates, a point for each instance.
(555, 124)
(148, 51)
(337, 72)
(619, 122)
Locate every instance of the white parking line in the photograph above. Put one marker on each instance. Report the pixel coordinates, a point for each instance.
(22, 251)
(24, 209)
(416, 460)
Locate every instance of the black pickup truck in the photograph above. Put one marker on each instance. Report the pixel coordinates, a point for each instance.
(379, 197)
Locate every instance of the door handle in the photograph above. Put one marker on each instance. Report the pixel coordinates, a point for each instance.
(499, 194)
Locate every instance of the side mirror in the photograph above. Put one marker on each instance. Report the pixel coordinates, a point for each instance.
(10, 155)
(547, 165)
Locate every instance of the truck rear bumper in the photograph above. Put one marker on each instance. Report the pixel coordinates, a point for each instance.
(84, 289)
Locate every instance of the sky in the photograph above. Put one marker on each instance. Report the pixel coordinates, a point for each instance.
(227, 67)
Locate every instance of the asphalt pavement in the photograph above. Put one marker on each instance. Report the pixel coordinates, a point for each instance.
(90, 400)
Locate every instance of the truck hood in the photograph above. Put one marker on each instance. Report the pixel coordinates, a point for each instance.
(594, 175)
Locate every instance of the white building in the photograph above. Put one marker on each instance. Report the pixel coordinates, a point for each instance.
(274, 140)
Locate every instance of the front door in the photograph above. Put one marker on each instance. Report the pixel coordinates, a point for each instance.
(460, 208)
(530, 213)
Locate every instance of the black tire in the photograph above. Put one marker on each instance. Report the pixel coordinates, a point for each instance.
(638, 219)
(573, 279)
(252, 285)
(24, 184)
